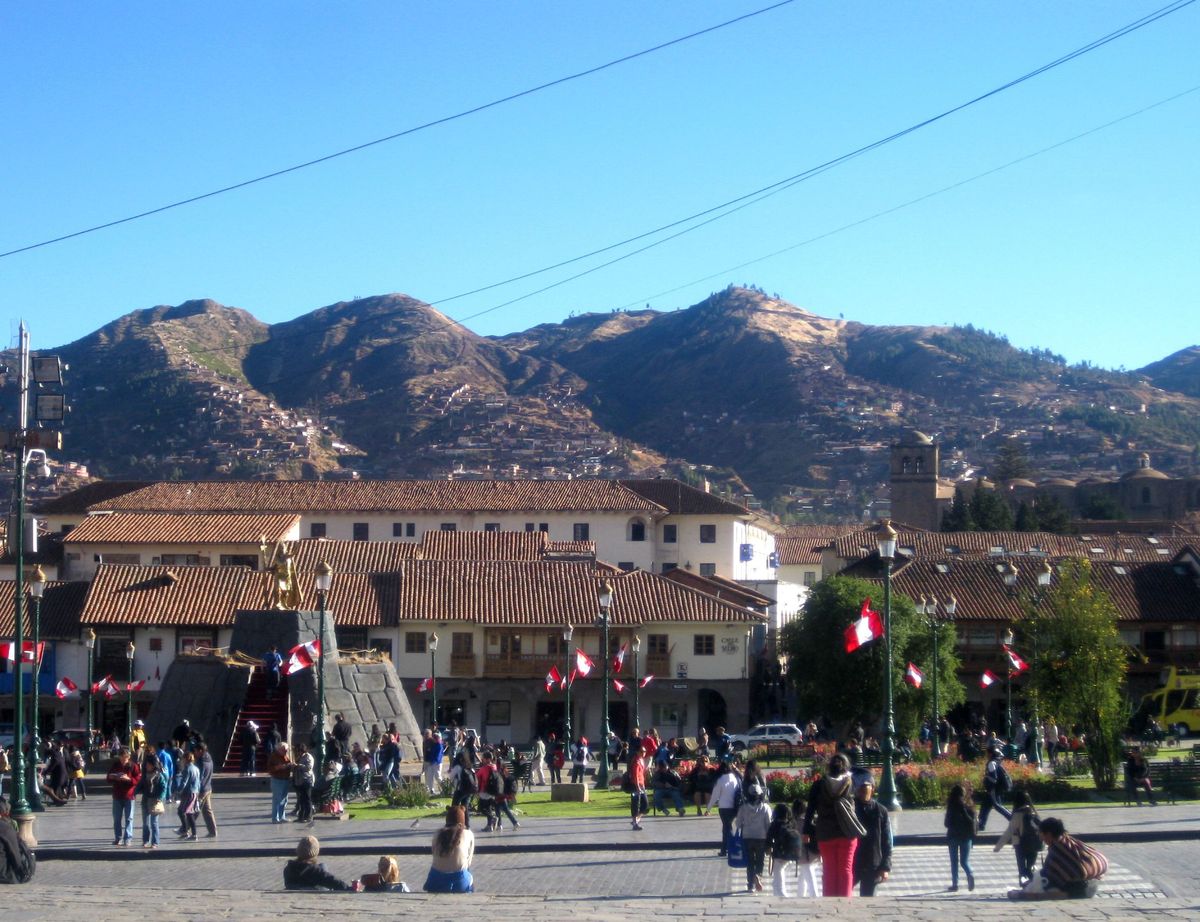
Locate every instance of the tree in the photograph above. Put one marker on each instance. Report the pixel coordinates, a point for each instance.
(847, 686)
(1080, 665)
(1027, 518)
(989, 511)
(1052, 515)
(1011, 461)
(958, 516)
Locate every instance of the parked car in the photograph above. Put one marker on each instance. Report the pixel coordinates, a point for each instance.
(761, 734)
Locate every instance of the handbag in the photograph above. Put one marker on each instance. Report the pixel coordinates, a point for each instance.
(737, 851)
(157, 808)
(848, 820)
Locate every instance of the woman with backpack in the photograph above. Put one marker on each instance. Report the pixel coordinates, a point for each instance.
(466, 786)
(506, 795)
(754, 823)
(787, 852)
(579, 761)
(962, 826)
(1024, 832)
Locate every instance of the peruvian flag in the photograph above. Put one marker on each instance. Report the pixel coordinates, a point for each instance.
(583, 663)
(65, 687)
(619, 660)
(425, 685)
(106, 686)
(618, 686)
(111, 690)
(302, 656)
(8, 651)
(645, 681)
(136, 686)
(553, 677)
(987, 679)
(868, 627)
(1015, 662)
(914, 676)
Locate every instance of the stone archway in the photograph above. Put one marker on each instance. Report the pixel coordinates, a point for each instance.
(713, 711)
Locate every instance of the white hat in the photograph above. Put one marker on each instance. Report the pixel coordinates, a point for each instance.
(138, 723)
(251, 724)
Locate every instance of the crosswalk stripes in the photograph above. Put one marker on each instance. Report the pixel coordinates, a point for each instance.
(924, 871)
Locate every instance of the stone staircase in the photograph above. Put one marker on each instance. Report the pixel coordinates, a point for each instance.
(263, 711)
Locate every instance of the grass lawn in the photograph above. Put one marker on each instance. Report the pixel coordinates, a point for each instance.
(605, 803)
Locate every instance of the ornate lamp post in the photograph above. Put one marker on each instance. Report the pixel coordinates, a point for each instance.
(433, 645)
(606, 600)
(637, 645)
(37, 586)
(1045, 575)
(886, 538)
(324, 579)
(89, 641)
(567, 634)
(929, 607)
(1009, 574)
(130, 650)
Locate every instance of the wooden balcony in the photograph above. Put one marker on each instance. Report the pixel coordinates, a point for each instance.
(658, 664)
(462, 665)
(521, 666)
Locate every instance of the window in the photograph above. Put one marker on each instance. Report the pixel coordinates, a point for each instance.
(316, 530)
(361, 531)
(556, 645)
(708, 569)
(397, 529)
(669, 715)
(626, 565)
(156, 645)
(704, 644)
(448, 526)
(176, 560)
(529, 526)
(708, 534)
(1131, 638)
(193, 643)
(498, 713)
(492, 527)
(414, 641)
(668, 567)
(462, 643)
(544, 526)
(350, 639)
(979, 637)
(240, 560)
(382, 645)
(124, 560)
(1184, 637)
(581, 531)
(637, 531)
(670, 534)
(656, 645)
(810, 578)
(410, 529)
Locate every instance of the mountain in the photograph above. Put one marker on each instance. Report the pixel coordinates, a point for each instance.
(741, 389)
(1179, 371)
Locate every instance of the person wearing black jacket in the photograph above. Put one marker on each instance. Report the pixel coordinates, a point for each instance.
(304, 872)
(962, 827)
(17, 862)
(873, 857)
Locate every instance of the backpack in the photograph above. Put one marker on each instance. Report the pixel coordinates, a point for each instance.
(627, 784)
(1003, 778)
(494, 786)
(467, 782)
(510, 786)
(1031, 837)
(17, 862)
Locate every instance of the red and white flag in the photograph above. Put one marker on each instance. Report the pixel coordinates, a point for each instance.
(105, 686)
(570, 681)
(618, 686)
(425, 685)
(136, 686)
(583, 663)
(1016, 664)
(987, 679)
(645, 681)
(867, 628)
(65, 687)
(619, 660)
(111, 690)
(302, 656)
(8, 651)
(553, 677)
(914, 676)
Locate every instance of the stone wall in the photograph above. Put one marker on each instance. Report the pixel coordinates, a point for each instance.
(206, 691)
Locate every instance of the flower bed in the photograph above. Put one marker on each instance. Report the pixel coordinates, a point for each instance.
(929, 785)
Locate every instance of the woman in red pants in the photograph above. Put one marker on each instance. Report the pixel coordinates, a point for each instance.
(831, 825)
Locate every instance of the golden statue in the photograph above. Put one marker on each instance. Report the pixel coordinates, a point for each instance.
(285, 591)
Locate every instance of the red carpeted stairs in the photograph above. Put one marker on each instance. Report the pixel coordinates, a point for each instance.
(263, 712)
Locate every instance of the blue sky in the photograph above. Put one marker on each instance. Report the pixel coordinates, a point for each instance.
(1090, 249)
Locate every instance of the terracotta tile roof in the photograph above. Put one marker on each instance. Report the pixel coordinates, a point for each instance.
(828, 532)
(1148, 592)
(677, 498)
(489, 592)
(166, 528)
(799, 550)
(386, 556)
(380, 496)
(352, 556)
(720, 587)
(61, 607)
(997, 544)
(79, 501)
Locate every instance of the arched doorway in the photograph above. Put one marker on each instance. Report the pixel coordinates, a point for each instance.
(712, 710)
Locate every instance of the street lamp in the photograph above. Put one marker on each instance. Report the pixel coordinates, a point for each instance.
(929, 607)
(606, 600)
(129, 652)
(89, 641)
(37, 586)
(637, 645)
(1009, 574)
(1045, 575)
(433, 644)
(568, 632)
(885, 537)
(324, 579)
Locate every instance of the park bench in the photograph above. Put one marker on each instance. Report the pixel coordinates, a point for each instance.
(777, 751)
(1175, 778)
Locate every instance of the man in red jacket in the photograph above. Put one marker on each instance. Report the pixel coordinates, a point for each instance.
(124, 776)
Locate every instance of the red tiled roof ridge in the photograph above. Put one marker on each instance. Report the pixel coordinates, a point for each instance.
(182, 528)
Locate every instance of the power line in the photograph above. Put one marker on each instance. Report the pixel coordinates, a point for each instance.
(399, 134)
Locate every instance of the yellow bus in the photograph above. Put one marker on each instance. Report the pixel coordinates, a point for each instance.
(1176, 706)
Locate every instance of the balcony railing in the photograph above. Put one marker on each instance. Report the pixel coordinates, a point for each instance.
(658, 664)
(521, 666)
(462, 665)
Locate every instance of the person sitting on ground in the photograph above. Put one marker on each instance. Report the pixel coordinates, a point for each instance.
(387, 880)
(304, 872)
(1070, 871)
(453, 849)
(17, 862)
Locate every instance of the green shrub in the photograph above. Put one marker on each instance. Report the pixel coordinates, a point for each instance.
(406, 794)
(922, 789)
